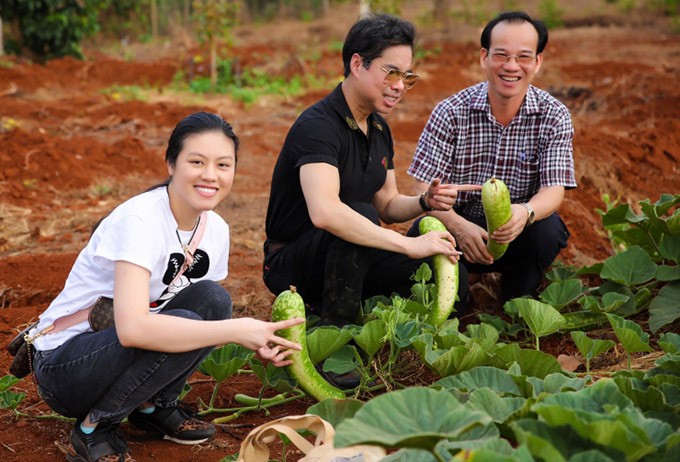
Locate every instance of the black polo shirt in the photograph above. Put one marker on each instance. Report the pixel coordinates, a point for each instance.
(327, 132)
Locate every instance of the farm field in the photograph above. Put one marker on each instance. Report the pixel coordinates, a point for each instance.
(78, 137)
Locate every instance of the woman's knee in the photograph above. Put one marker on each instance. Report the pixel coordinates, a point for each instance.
(208, 300)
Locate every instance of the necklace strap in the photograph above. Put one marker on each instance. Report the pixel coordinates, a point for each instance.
(190, 249)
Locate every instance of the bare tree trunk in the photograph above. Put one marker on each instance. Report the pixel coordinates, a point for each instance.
(154, 19)
(325, 5)
(441, 13)
(213, 62)
(186, 12)
(2, 45)
(364, 8)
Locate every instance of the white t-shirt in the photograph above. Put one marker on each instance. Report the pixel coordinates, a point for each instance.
(144, 232)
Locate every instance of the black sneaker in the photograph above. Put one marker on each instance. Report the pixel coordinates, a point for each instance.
(104, 444)
(177, 424)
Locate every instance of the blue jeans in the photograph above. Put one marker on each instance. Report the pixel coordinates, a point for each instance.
(94, 374)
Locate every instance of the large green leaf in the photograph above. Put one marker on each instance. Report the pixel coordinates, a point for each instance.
(335, 411)
(630, 267)
(557, 443)
(590, 348)
(409, 455)
(630, 334)
(412, 418)
(665, 308)
(225, 361)
(482, 376)
(541, 318)
(324, 341)
(486, 333)
(670, 342)
(604, 415)
(559, 383)
(460, 358)
(669, 248)
(372, 336)
(497, 407)
(561, 294)
(666, 273)
(531, 362)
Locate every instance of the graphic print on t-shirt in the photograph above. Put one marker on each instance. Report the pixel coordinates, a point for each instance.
(197, 270)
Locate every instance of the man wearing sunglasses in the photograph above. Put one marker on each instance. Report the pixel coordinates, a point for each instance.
(334, 183)
(508, 129)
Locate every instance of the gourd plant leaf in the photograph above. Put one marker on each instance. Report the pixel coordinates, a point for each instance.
(7, 382)
(666, 273)
(324, 341)
(590, 348)
(497, 407)
(272, 376)
(410, 455)
(560, 274)
(562, 293)
(665, 308)
(372, 336)
(485, 334)
(459, 359)
(541, 318)
(611, 301)
(602, 414)
(342, 361)
(415, 418)
(531, 362)
(669, 342)
(669, 248)
(631, 267)
(620, 215)
(482, 450)
(630, 334)
(561, 443)
(404, 333)
(560, 383)
(494, 378)
(623, 309)
(656, 212)
(335, 411)
(10, 399)
(225, 361)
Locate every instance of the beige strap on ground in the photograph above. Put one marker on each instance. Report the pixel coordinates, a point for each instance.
(255, 447)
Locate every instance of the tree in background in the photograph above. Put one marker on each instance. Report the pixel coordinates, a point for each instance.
(215, 20)
(52, 28)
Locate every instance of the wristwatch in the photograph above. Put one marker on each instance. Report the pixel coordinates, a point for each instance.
(423, 202)
(531, 215)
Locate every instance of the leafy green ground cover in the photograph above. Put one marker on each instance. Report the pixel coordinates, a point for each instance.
(496, 395)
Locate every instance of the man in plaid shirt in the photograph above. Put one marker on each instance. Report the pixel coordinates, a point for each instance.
(508, 129)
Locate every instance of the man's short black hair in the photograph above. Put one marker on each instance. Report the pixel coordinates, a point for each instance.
(371, 35)
(515, 17)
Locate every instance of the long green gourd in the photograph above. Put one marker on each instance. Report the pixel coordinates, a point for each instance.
(446, 277)
(289, 305)
(496, 203)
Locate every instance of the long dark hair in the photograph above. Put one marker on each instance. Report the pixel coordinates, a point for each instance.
(199, 122)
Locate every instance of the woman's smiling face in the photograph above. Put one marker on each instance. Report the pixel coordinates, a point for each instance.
(202, 175)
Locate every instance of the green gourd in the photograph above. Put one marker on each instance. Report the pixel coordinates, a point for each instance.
(496, 203)
(446, 277)
(289, 305)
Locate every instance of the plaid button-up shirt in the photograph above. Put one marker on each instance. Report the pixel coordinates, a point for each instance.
(463, 143)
